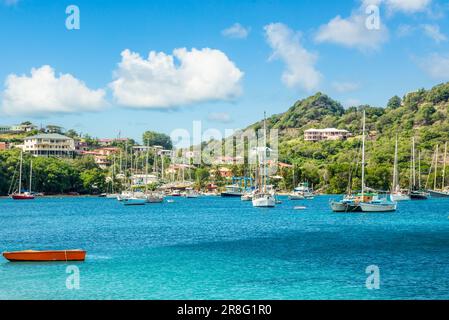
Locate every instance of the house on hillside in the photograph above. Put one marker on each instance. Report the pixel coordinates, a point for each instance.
(5, 129)
(102, 156)
(49, 144)
(109, 142)
(53, 129)
(325, 134)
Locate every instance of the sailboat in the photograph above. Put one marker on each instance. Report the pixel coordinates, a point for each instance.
(397, 194)
(444, 191)
(152, 196)
(112, 194)
(371, 202)
(302, 192)
(347, 204)
(23, 195)
(364, 201)
(416, 192)
(262, 198)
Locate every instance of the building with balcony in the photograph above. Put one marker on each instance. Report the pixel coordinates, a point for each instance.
(102, 155)
(325, 134)
(109, 142)
(47, 145)
(5, 129)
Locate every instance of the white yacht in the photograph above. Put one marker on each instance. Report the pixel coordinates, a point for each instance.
(264, 196)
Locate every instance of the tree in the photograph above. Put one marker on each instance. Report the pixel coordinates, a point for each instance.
(71, 133)
(153, 138)
(394, 103)
(202, 177)
(94, 180)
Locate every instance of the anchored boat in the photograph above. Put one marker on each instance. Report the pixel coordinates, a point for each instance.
(48, 255)
(23, 195)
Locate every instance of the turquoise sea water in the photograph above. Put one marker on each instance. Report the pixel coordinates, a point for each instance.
(216, 248)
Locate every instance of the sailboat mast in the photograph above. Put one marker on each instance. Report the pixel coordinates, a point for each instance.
(363, 155)
(413, 164)
(265, 152)
(395, 166)
(436, 168)
(31, 175)
(20, 172)
(146, 169)
(419, 169)
(443, 183)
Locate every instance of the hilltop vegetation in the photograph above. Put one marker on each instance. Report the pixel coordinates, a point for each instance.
(422, 114)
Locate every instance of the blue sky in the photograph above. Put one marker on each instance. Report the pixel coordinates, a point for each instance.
(316, 45)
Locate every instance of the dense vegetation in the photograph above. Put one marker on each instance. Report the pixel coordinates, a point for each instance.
(327, 165)
(422, 114)
(51, 175)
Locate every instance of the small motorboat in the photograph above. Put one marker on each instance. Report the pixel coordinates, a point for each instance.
(134, 201)
(247, 197)
(300, 208)
(48, 255)
(155, 198)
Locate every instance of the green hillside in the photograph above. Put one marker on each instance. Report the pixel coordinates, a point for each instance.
(423, 114)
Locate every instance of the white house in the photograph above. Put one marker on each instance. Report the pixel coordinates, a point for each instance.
(49, 144)
(325, 134)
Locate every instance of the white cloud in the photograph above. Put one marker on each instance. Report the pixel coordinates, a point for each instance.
(222, 117)
(433, 32)
(300, 64)
(43, 93)
(161, 82)
(352, 32)
(236, 31)
(343, 87)
(405, 6)
(436, 66)
(430, 30)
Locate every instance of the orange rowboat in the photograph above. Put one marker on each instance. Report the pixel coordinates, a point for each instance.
(51, 255)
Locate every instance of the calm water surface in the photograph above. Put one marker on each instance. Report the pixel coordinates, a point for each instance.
(215, 248)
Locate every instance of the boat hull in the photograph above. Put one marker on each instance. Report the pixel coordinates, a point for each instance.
(264, 202)
(155, 200)
(22, 197)
(378, 207)
(134, 202)
(419, 195)
(438, 194)
(52, 255)
(339, 206)
(231, 194)
(296, 197)
(400, 197)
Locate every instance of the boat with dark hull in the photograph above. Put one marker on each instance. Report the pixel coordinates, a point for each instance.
(232, 191)
(419, 195)
(438, 194)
